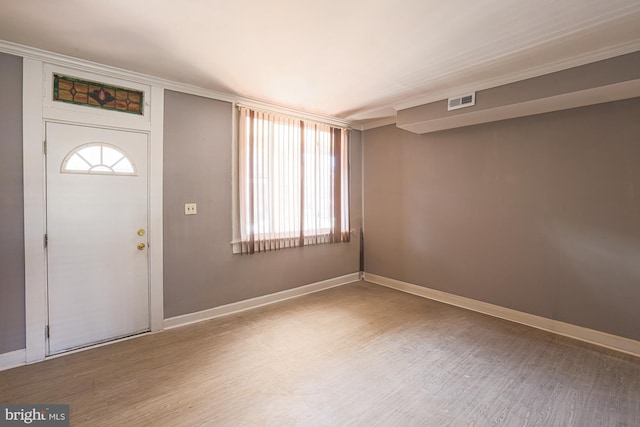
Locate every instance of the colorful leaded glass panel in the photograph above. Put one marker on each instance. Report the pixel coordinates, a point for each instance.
(99, 95)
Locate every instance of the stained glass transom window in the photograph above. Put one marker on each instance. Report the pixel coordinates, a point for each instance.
(99, 95)
(98, 158)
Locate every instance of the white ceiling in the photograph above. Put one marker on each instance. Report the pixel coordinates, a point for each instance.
(356, 60)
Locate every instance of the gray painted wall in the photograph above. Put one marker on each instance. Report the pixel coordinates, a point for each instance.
(200, 272)
(12, 317)
(539, 214)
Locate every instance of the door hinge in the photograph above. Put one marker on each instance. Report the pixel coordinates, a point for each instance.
(44, 147)
(47, 332)
(46, 240)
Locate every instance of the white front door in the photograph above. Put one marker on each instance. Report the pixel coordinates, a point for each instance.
(98, 286)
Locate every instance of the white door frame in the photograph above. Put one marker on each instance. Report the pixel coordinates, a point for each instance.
(37, 108)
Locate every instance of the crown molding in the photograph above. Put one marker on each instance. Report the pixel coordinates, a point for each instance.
(260, 105)
(119, 73)
(376, 123)
(563, 64)
(625, 17)
(536, 71)
(110, 71)
(432, 96)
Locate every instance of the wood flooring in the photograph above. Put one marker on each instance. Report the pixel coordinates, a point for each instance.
(355, 355)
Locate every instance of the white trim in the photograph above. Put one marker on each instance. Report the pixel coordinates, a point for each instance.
(17, 358)
(34, 209)
(12, 359)
(478, 85)
(249, 304)
(536, 71)
(36, 77)
(108, 71)
(80, 65)
(28, 52)
(155, 239)
(614, 342)
(304, 115)
(377, 123)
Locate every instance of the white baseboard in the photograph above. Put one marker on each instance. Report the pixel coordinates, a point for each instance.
(614, 342)
(186, 319)
(12, 359)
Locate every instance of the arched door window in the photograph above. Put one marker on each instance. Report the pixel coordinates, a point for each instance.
(98, 158)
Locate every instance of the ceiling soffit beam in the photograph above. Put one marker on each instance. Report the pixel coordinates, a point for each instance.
(604, 81)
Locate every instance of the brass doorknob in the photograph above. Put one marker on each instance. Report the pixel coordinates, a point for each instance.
(141, 232)
(141, 246)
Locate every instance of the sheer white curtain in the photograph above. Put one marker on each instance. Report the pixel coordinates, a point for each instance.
(293, 182)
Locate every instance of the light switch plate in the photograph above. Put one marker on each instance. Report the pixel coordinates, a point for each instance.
(190, 209)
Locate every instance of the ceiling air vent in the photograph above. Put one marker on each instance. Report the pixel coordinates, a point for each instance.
(462, 101)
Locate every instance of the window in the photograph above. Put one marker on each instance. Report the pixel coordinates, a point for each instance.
(98, 158)
(293, 182)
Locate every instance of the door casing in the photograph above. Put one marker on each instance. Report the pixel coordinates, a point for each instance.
(37, 83)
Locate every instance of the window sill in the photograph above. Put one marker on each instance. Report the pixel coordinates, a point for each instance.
(236, 245)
